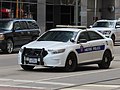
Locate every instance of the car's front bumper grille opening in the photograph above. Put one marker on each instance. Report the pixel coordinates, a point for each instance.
(36, 54)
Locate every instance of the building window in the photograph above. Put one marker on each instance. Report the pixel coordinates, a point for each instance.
(18, 9)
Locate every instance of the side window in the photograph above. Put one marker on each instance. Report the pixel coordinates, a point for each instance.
(94, 35)
(16, 26)
(32, 25)
(118, 24)
(23, 25)
(84, 35)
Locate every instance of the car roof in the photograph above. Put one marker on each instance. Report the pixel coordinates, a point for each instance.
(66, 29)
(107, 20)
(15, 19)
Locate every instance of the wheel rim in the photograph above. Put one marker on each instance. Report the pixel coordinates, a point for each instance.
(71, 63)
(106, 60)
(9, 46)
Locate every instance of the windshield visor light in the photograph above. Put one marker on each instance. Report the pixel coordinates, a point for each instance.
(2, 37)
(57, 51)
(106, 32)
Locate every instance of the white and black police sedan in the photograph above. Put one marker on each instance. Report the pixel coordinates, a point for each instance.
(67, 47)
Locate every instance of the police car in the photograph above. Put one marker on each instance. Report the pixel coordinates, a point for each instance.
(109, 28)
(67, 47)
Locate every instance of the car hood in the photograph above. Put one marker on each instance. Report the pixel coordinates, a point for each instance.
(47, 45)
(102, 29)
(4, 31)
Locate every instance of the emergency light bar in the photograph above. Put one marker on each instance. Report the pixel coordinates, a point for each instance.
(71, 26)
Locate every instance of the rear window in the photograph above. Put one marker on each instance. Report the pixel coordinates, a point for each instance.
(23, 25)
(32, 25)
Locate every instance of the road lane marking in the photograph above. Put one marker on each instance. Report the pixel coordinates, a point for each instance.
(53, 78)
(88, 86)
(30, 81)
(27, 87)
(87, 73)
(96, 85)
(57, 83)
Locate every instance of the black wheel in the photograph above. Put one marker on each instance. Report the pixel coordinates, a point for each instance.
(71, 63)
(105, 63)
(27, 68)
(113, 38)
(9, 46)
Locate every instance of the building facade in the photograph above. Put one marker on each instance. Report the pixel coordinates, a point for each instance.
(49, 13)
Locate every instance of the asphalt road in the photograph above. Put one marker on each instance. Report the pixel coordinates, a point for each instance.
(13, 77)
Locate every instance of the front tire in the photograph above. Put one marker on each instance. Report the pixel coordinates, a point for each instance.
(113, 38)
(27, 67)
(9, 46)
(71, 63)
(105, 63)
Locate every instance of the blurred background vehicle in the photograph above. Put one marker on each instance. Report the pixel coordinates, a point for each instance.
(17, 32)
(109, 28)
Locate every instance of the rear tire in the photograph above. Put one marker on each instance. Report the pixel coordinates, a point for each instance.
(105, 63)
(27, 67)
(113, 38)
(71, 63)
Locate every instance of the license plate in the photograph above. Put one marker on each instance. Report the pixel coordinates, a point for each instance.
(32, 60)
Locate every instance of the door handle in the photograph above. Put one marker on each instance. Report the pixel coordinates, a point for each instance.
(28, 32)
(22, 32)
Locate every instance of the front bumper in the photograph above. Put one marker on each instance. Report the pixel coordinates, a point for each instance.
(49, 60)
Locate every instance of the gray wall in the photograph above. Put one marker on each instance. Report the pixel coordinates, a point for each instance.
(106, 12)
(103, 10)
(41, 14)
(117, 9)
(91, 11)
(84, 12)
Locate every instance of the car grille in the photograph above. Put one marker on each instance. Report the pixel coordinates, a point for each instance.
(34, 53)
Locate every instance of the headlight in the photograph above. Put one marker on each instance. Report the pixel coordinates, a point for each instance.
(106, 32)
(57, 51)
(2, 37)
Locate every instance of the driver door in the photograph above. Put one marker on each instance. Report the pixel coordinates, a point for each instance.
(84, 47)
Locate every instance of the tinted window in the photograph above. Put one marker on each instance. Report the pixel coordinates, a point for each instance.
(94, 35)
(61, 36)
(23, 25)
(118, 24)
(84, 35)
(33, 25)
(17, 26)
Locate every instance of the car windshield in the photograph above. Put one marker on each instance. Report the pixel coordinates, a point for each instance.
(61, 36)
(5, 25)
(104, 24)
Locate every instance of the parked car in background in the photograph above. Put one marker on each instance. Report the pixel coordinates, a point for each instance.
(17, 32)
(109, 28)
(67, 47)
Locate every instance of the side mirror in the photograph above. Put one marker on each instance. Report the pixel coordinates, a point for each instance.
(90, 26)
(82, 41)
(72, 40)
(118, 26)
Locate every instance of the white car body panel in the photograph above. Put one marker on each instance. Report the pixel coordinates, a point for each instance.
(93, 50)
